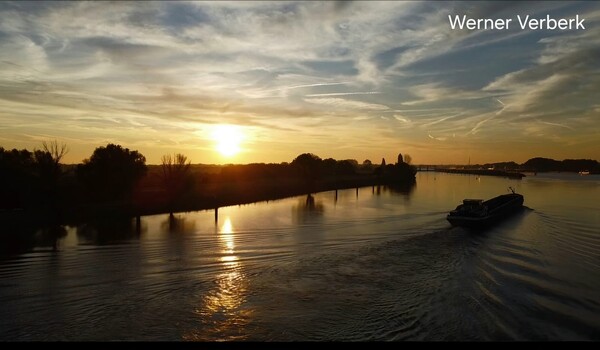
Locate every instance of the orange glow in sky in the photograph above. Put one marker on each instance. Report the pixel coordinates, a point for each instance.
(246, 82)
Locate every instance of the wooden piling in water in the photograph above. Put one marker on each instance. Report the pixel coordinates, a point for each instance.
(138, 224)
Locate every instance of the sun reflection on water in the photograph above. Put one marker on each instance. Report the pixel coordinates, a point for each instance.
(226, 236)
(222, 313)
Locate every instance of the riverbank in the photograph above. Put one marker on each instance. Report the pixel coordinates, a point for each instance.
(204, 196)
(223, 194)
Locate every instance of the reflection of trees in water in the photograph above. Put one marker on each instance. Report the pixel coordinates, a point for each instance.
(17, 241)
(110, 231)
(308, 208)
(179, 233)
(51, 236)
(406, 188)
(177, 224)
(398, 189)
(21, 237)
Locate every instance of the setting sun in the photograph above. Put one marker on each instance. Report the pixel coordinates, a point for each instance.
(228, 139)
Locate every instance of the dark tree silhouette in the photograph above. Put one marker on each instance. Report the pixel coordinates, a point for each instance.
(176, 177)
(380, 171)
(47, 161)
(56, 151)
(17, 168)
(542, 164)
(399, 174)
(577, 165)
(574, 165)
(346, 167)
(15, 164)
(48, 171)
(329, 167)
(309, 167)
(400, 159)
(367, 166)
(111, 172)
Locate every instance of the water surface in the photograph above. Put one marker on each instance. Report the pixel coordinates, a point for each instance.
(368, 265)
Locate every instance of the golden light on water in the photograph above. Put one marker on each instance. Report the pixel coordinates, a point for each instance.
(222, 310)
(228, 139)
(227, 227)
(226, 236)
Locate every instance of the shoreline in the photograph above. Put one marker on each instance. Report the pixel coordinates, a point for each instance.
(219, 196)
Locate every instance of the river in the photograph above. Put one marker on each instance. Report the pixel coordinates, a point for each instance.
(367, 264)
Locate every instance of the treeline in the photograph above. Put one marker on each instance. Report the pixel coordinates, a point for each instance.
(31, 180)
(37, 184)
(117, 181)
(572, 165)
(540, 164)
(246, 183)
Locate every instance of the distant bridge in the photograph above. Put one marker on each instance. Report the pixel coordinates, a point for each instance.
(424, 167)
(462, 170)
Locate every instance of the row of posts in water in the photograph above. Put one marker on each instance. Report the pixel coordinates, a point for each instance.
(138, 217)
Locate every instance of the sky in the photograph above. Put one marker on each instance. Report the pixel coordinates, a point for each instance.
(244, 82)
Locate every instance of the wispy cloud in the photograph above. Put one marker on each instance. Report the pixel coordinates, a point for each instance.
(401, 118)
(436, 138)
(377, 75)
(344, 94)
(347, 104)
(557, 124)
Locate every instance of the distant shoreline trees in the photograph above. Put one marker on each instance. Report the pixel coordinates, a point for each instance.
(540, 164)
(116, 180)
(570, 165)
(115, 177)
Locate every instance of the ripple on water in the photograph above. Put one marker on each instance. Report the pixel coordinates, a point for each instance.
(373, 267)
